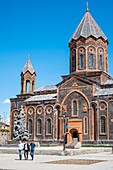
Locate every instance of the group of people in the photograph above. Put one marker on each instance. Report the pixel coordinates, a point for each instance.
(26, 148)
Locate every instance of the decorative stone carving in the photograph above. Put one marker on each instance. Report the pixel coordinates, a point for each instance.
(74, 85)
(19, 129)
(85, 107)
(64, 108)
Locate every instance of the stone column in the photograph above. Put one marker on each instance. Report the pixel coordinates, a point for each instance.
(90, 124)
(24, 86)
(107, 123)
(35, 124)
(60, 127)
(11, 122)
(54, 123)
(30, 86)
(44, 124)
(34, 86)
(97, 121)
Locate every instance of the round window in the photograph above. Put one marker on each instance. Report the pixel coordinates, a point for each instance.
(102, 106)
(30, 111)
(39, 110)
(49, 109)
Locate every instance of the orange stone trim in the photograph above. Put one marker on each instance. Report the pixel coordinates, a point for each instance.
(77, 92)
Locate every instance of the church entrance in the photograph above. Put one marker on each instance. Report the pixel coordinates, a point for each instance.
(75, 136)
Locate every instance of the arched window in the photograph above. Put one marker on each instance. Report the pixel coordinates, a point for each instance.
(81, 61)
(49, 130)
(100, 62)
(102, 124)
(39, 126)
(74, 108)
(91, 60)
(30, 125)
(85, 125)
(74, 61)
(27, 86)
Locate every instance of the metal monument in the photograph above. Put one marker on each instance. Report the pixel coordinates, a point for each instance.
(19, 129)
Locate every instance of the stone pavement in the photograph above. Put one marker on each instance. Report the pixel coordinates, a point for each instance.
(9, 159)
(58, 150)
(11, 162)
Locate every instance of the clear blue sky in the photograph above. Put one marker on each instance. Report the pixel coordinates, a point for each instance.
(43, 29)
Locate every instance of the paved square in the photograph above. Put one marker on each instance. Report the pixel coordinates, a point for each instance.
(11, 162)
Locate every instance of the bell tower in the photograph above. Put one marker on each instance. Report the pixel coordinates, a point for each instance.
(88, 47)
(28, 78)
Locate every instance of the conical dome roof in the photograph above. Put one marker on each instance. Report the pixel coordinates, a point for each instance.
(88, 27)
(28, 67)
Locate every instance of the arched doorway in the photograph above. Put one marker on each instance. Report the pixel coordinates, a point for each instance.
(74, 134)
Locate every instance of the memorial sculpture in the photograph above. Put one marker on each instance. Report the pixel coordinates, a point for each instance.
(19, 128)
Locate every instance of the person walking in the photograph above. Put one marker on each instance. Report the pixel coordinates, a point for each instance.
(20, 149)
(32, 148)
(26, 150)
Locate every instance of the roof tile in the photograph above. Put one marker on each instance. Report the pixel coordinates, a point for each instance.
(28, 67)
(88, 27)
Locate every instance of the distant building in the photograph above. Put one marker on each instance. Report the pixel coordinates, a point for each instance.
(85, 96)
(4, 132)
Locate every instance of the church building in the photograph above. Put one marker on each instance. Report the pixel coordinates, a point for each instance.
(81, 105)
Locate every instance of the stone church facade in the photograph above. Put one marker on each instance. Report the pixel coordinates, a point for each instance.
(81, 105)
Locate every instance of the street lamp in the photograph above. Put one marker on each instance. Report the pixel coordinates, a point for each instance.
(65, 118)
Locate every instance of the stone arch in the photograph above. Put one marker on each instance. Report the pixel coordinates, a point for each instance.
(93, 46)
(101, 48)
(74, 134)
(103, 101)
(82, 47)
(90, 47)
(82, 94)
(57, 106)
(110, 101)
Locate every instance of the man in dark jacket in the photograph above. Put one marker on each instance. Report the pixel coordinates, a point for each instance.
(26, 150)
(32, 148)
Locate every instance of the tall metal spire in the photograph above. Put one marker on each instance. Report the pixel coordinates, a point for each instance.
(87, 7)
(28, 55)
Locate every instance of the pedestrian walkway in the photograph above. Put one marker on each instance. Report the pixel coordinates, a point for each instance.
(58, 150)
(41, 162)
